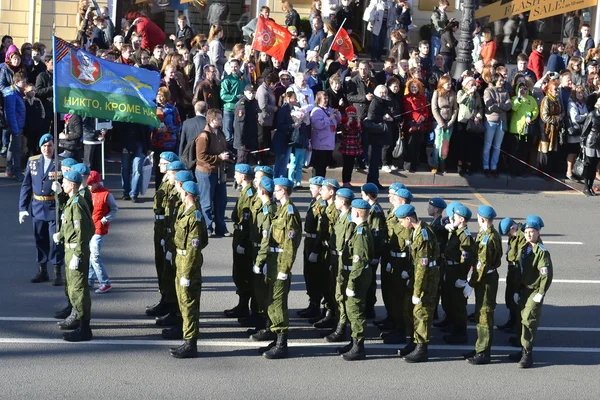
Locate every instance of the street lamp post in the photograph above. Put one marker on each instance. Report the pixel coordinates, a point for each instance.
(464, 50)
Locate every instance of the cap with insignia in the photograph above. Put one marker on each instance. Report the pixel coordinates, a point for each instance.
(282, 181)
(316, 180)
(265, 170)
(169, 156)
(451, 207)
(370, 188)
(486, 212)
(535, 218)
(191, 187)
(81, 168)
(176, 166)
(94, 178)
(68, 162)
(46, 137)
(405, 194)
(184, 176)
(267, 184)
(360, 204)
(73, 176)
(332, 183)
(405, 210)
(249, 88)
(463, 212)
(504, 225)
(533, 224)
(437, 202)
(395, 187)
(345, 193)
(243, 169)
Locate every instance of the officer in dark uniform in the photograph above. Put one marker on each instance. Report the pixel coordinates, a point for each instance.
(37, 191)
(435, 209)
(245, 125)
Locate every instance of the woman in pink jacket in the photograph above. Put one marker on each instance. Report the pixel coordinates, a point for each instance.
(323, 121)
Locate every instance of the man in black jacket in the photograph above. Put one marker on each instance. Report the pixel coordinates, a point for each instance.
(360, 93)
(388, 71)
(135, 143)
(190, 130)
(37, 66)
(184, 32)
(98, 36)
(245, 125)
(43, 90)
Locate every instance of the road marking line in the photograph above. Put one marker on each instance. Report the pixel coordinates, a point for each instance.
(480, 197)
(554, 242)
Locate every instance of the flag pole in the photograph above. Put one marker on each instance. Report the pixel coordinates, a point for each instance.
(55, 109)
(337, 33)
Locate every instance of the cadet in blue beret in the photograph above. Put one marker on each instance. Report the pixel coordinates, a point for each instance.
(84, 191)
(505, 225)
(169, 156)
(267, 184)
(536, 219)
(190, 187)
(46, 137)
(437, 202)
(405, 210)
(360, 204)
(73, 176)
(282, 181)
(370, 188)
(184, 176)
(435, 209)
(463, 212)
(345, 193)
(81, 168)
(331, 183)
(265, 170)
(450, 208)
(396, 186)
(486, 212)
(176, 166)
(67, 163)
(243, 169)
(316, 180)
(405, 194)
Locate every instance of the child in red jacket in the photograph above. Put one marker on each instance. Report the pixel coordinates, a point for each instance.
(350, 147)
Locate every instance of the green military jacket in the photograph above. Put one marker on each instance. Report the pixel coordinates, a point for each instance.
(332, 214)
(189, 239)
(536, 265)
(515, 244)
(160, 202)
(342, 229)
(255, 207)
(260, 232)
(424, 253)
(460, 248)
(391, 221)
(377, 224)
(77, 227)
(489, 254)
(285, 236)
(313, 226)
(358, 254)
(173, 204)
(242, 218)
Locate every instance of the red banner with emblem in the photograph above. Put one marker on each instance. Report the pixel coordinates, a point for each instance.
(271, 38)
(343, 44)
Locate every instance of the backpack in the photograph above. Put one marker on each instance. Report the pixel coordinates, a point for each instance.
(188, 156)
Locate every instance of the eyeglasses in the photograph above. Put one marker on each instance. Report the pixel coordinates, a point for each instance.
(178, 45)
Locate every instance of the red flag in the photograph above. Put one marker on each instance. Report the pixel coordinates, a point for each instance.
(343, 44)
(271, 38)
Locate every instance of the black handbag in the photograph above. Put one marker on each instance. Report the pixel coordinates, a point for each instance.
(475, 128)
(579, 165)
(398, 149)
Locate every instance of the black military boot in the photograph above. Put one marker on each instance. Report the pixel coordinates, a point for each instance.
(395, 336)
(346, 348)
(313, 311)
(419, 354)
(172, 333)
(69, 323)
(263, 335)
(526, 360)
(42, 275)
(262, 350)
(516, 356)
(407, 349)
(189, 349)
(482, 358)
(469, 354)
(81, 334)
(356, 352)
(158, 310)
(327, 322)
(58, 280)
(170, 319)
(65, 312)
(280, 350)
(339, 335)
(241, 310)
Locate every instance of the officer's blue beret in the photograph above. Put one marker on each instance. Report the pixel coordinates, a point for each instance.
(169, 156)
(176, 166)
(191, 187)
(243, 169)
(451, 207)
(73, 176)
(316, 180)
(533, 224)
(332, 183)
(46, 137)
(68, 162)
(360, 204)
(81, 168)
(535, 218)
(184, 176)
(405, 194)
(267, 184)
(311, 65)
(265, 170)
(370, 188)
(486, 212)
(463, 212)
(281, 181)
(395, 187)
(504, 225)
(437, 202)
(345, 193)
(405, 210)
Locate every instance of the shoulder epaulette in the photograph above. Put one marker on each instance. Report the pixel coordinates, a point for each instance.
(541, 246)
(249, 192)
(36, 157)
(359, 230)
(199, 216)
(290, 209)
(76, 199)
(485, 240)
(377, 209)
(425, 234)
(265, 210)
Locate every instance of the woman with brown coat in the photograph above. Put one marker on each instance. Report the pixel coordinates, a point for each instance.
(552, 113)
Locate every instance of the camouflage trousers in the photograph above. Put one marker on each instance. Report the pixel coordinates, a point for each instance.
(485, 305)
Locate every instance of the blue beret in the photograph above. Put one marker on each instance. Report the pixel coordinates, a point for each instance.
(534, 218)
(191, 187)
(345, 193)
(437, 202)
(533, 224)
(396, 186)
(46, 137)
(463, 212)
(332, 183)
(68, 162)
(405, 210)
(81, 168)
(243, 169)
(169, 156)
(504, 225)
(405, 194)
(316, 180)
(281, 181)
(267, 184)
(265, 170)
(451, 207)
(184, 176)
(486, 212)
(73, 176)
(360, 204)
(311, 65)
(176, 166)
(370, 188)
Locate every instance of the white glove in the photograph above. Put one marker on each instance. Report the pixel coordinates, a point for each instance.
(467, 290)
(416, 300)
(240, 250)
(516, 298)
(184, 282)
(56, 238)
(538, 297)
(162, 242)
(169, 257)
(256, 270)
(404, 275)
(264, 270)
(313, 257)
(22, 215)
(350, 293)
(450, 227)
(281, 276)
(388, 267)
(460, 283)
(104, 221)
(56, 187)
(74, 263)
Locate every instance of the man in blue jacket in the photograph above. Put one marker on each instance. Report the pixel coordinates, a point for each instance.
(14, 113)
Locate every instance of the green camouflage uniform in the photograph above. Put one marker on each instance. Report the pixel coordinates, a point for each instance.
(168, 273)
(260, 243)
(513, 276)
(160, 226)
(484, 280)
(376, 222)
(190, 238)
(313, 244)
(329, 271)
(242, 220)
(536, 277)
(342, 230)
(356, 260)
(424, 252)
(386, 261)
(403, 288)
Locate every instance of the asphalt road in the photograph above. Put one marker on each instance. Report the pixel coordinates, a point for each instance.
(128, 359)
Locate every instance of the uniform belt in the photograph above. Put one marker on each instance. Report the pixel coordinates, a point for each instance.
(432, 264)
(398, 255)
(158, 216)
(237, 227)
(255, 244)
(334, 252)
(275, 250)
(311, 235)
(452, 262)
(43, 198)
(71, 245)
(182, 252)
(347, 267)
